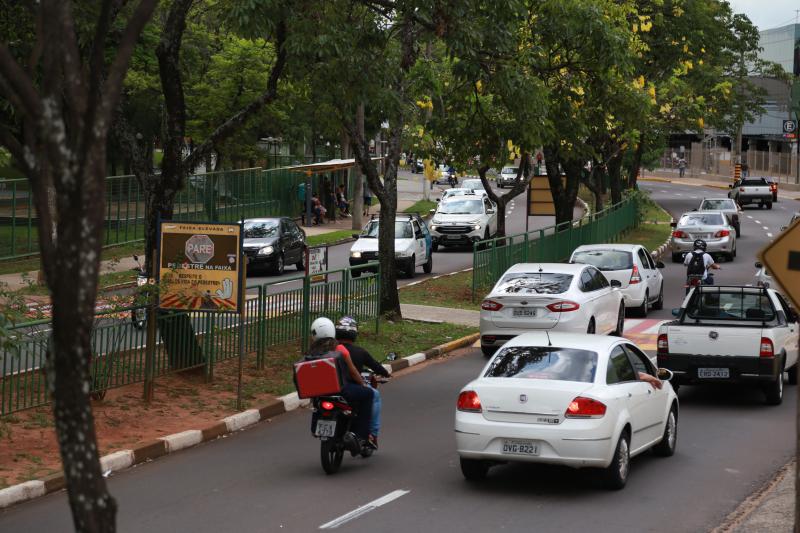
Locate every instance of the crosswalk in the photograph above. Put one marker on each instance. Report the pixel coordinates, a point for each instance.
(643, 331)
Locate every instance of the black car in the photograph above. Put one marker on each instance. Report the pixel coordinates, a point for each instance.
(273, 243)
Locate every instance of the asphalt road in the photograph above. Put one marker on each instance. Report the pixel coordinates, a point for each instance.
(269, 479)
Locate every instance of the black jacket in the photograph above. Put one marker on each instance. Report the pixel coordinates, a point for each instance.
(361, 358)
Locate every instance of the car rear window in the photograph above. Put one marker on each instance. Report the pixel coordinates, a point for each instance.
(753, 181)
(707, 219)
(534, 283)
(605, 260)
(739, 305)
(718, 204)
(544, 362)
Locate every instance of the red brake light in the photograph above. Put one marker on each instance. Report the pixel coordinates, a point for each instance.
(328, 406)
(635, 277)
(678, 234)
(722, 233)
(564, 306)
(491, 305)
(582, 407)
(469, 401)
(773, 186)
(767, 349)
(662, 345)
(741, 189)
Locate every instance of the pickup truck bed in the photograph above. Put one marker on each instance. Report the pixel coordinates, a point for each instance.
(732, 334)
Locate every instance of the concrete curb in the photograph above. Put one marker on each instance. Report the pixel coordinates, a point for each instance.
(122, 459)
(667, 180)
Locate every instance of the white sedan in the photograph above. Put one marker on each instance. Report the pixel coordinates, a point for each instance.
(576, 298)
(570, 399)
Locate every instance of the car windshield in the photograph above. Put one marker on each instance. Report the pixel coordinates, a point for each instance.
(718, 204)
(402, 230)
(510, 170)
(705, 219)
(605, 260)
(534, 283)
(739, 305)
(540, 362)
(260, 229)
(461, 206)
(473, 184)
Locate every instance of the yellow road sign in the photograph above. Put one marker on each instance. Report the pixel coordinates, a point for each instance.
(782, 259)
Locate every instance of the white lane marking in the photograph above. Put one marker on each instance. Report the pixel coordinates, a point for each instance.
(758, 222)
(364, 509)
(693, 197)
(748, 216)
(783, 208)
(769, 234)
(765, 227)
(663, 192)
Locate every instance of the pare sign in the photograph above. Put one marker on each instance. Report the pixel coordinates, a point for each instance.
(199, 249)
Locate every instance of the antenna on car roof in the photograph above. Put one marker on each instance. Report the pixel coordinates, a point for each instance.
(549, 344)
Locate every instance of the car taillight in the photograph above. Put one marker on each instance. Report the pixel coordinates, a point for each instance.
(328, 406)
(722, 233)
(678, 234)
(773, 187)
(469, 401)
(582, 407)
(491, 305)
(635, 277)
(564, 306)
(767, 349)
(662, 345)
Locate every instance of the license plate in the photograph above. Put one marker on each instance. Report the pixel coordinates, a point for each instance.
(325, 428)
(453, 237)
(525, 312)
(520, 447)
(713, 373)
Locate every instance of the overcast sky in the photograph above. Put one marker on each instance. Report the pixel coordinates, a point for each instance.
(767, 14)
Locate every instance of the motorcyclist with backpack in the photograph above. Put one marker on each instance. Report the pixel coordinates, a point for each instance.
(698, 262)
(354, 390)
(346, 334)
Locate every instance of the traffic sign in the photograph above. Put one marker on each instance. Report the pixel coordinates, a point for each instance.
(789, 126)
(782, 259)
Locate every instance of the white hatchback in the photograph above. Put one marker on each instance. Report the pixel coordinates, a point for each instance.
(552, 296)
(633, 266)
(570, 399)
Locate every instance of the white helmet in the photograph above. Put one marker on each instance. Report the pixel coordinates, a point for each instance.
(322, 328)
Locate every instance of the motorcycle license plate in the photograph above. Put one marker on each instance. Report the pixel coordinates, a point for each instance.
(520, 447)
(713, 373)
(325, 428)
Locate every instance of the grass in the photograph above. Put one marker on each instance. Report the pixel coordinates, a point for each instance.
(651, 236)
(33, 263)
(327, 238)
(448, 291)
(422, 207)
(654, 213)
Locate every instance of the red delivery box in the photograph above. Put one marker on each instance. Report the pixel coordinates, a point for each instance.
(317, 377)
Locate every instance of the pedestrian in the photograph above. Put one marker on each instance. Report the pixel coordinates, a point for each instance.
(342, 203)
(682, 166)
(367, 197)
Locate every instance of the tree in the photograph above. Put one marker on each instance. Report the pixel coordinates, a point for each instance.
(63, 98)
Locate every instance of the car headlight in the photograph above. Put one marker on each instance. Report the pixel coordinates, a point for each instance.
(355, 255)
(476, 227)
(434, 227)
(402, 253)
(435, 221)
(266, 250)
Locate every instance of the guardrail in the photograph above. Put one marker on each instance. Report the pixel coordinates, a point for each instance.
(186, 340)
(491, 258)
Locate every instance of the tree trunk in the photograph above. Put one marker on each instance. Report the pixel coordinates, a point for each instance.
(633, 172)
(564, 197)
(524, 175)
(358, 190)
(615, 178)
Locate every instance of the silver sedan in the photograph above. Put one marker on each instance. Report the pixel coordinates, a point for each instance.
(713, 227)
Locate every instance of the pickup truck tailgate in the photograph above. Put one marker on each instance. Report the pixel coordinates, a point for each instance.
(708, 340)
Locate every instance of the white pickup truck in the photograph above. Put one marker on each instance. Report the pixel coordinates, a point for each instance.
(751, 191)
(732, 334)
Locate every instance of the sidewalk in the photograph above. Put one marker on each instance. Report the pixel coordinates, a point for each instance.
(429, 313)
(709, 180)
(770, 508)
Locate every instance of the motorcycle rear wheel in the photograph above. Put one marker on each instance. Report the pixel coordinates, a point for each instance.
(331, 455)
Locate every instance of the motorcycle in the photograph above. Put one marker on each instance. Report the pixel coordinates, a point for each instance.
(331, 420)
(139, 314)
(695, 280)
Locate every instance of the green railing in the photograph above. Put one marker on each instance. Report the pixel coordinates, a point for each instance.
(274, 316)
(491, 258)
(214, 197)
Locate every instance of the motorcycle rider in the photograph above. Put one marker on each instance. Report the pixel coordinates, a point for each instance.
(698, 262)
(357, 394)
(346, 333)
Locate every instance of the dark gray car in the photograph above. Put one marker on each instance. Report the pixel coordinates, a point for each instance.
(273, 243)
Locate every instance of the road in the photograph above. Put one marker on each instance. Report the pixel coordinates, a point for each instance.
(269, 479)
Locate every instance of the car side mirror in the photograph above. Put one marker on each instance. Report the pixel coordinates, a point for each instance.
(355, 235)
(490, 211)
(759, 265)
(616, 283)
(438, 200)
(673, 224)
(730, 186)
(660, 264)
(664, 374)
(432, 212)
(676, 312)
(783, 228)
(694, 209)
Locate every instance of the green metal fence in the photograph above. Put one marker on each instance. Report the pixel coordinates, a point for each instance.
(491, 258)
(214, 197)
(274, 316)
